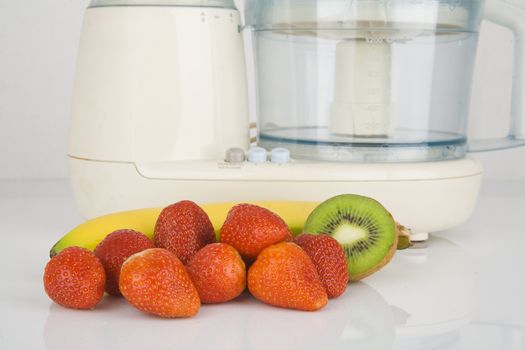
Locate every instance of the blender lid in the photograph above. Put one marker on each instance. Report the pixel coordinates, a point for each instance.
(190, 3)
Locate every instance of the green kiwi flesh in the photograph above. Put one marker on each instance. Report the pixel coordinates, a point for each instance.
(364, 228)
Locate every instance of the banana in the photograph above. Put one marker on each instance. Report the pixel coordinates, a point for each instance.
(92, 232)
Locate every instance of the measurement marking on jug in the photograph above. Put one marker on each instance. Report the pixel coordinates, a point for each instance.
(386, 39)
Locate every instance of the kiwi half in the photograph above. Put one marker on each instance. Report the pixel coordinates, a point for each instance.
(364, 228)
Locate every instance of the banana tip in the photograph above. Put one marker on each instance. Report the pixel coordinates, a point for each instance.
(52, 252)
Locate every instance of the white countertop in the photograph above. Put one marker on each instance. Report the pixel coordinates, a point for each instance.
(464, 290)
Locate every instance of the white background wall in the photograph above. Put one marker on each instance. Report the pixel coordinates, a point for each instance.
(38, 43)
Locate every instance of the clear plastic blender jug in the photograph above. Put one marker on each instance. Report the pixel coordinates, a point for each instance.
(366, 80)
(192, 3)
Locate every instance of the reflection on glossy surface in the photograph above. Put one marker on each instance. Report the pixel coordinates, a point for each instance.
(487, 335)
(431, 283)
(423, 295)
(361, 319)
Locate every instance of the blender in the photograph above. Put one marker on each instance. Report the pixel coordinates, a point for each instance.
(353, 96)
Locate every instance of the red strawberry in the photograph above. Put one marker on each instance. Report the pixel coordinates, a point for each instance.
(283, 275)
(114, 249)
(329, 260)
(183, 228)
(218, 272)
(155, 281)
(75, 278)
(249, 229)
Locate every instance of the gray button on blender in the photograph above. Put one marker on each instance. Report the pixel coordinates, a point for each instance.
(280, 155)
(257, 155)
(234, 155)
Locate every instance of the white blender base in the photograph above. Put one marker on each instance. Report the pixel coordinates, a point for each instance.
(419, 236)
(425, 197)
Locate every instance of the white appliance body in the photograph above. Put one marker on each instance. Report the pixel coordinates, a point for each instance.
(159, 83)
(161, 94)
(426, 197)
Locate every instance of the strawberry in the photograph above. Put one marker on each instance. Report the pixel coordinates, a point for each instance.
(114, 249)
(250, 228)
(218, 272)
(283, 275)
(329, 260)
(155, 281)
(75, 278)
(183, 228)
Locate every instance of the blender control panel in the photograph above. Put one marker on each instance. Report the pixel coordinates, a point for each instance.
(257, 155)
(259, 164)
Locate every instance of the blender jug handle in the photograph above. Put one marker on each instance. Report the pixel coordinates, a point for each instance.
(510, 14)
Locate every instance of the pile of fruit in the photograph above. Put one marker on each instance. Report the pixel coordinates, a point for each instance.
(184, 262)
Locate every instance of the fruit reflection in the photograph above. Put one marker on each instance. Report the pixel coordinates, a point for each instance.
(360, 319)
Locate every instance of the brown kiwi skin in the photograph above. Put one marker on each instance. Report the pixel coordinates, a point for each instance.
(386, 260)
(403, 234)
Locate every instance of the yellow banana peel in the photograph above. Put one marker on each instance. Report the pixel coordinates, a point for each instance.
(92, 232)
